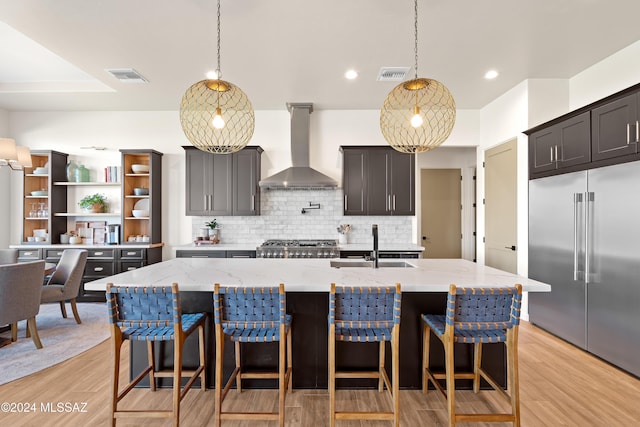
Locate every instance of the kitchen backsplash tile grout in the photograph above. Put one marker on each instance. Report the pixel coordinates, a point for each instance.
(281, 218)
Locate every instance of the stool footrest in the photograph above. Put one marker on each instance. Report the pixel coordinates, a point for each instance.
(357, 374)
(249, 416)
(485, 417)
(364, 416)
(142, 414)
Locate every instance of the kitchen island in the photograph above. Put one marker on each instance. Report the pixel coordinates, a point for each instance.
(424, 282)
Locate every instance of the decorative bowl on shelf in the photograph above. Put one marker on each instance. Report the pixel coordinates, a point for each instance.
(41, 171)
(140, 168)
(141, 191)
(40, 193)
(140, 213)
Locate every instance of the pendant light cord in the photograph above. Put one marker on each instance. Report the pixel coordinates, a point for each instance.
(415, 33)
(218, 71)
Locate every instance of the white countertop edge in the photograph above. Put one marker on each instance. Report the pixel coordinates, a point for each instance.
(314, 275)
(400, 247)
(81, 246)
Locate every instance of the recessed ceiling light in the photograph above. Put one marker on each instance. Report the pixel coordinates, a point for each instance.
(491, 74)
(351, 74)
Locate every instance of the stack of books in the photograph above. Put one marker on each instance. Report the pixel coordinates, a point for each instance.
(112, 174)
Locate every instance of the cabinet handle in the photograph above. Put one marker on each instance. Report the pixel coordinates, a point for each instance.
(240, 256)
(253, 202)
(628, 133)
(556, 153)
(131, 268)
(199, 256)
(28, 253)
(98, 268)
(98, 253)
(131, 253)
(394, 202)
(59, 253)
(637, 132)
(345, 202)
(551, 154)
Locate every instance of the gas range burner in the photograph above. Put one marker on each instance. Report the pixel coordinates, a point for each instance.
(298, 249)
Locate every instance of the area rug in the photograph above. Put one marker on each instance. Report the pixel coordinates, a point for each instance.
(61, 339)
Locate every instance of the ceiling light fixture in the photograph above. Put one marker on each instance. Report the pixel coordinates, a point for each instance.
(417, 115)
(351, 74)
(216, 115)
(491, 74)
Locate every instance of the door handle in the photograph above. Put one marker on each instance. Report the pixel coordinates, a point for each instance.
(512, 247)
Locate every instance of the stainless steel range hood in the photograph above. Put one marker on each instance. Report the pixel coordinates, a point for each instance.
(300, 175)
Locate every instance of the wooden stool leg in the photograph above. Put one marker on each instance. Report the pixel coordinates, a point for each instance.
(14, 331)
(426, 336)
(282, 359)
(151, 360)
(116, 344)
(290, 359)
(395, 373)
(332, 375)
(381, 366)
(239, 368)
(218, 381)
(512, 364)
(477, 363)
(450, 378)
(201, 344)
(177, 378)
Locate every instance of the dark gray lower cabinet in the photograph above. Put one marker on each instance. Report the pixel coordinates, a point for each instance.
(215, 253)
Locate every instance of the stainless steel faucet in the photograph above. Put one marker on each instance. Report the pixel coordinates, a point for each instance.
(374, 254)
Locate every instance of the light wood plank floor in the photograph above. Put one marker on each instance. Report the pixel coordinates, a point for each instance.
(560, 386)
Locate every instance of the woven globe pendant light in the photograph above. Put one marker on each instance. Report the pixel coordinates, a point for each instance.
(216, 115)
(417, 115)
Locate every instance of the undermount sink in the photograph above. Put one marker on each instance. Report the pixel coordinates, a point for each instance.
(369, 264)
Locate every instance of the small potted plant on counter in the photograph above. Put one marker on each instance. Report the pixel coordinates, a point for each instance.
(94, 203)
(343, 233)
(214, 231)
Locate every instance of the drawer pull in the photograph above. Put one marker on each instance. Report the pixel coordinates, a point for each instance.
(131, 268)
(28, 253)
(59, 253)
(199, 256)
(99, 253)
(131, 253)
(98, 268)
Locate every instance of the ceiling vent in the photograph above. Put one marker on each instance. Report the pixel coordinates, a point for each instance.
(392, 74)
(127, 75)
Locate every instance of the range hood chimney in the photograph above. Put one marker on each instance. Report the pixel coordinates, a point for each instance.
(299, 175)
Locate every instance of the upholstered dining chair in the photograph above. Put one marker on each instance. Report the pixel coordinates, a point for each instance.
(366, 314)
(476, 316)
(8, 256)
(64, 283)
(153, 314)
(20, 287)
(253, 315)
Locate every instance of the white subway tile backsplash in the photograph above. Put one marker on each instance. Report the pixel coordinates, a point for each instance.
(282, 218)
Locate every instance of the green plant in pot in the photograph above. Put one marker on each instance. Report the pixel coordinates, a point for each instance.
(94, 203)
(213, 229)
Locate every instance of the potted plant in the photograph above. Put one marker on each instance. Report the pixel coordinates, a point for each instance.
(93, 203)
(213, 229)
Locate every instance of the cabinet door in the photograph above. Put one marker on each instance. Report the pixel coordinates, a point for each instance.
(379, 182)
(221, 179)
(245, 182)
(354, 184)
(198, 164)
(402, 182)
(541, 150)
(614, 128)
(574, 145)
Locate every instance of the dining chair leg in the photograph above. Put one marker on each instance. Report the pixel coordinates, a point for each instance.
(63, 309)
(31, 326)
(74, 308)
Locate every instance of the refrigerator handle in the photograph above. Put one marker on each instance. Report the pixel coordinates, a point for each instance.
(577, 197)
(590, 198)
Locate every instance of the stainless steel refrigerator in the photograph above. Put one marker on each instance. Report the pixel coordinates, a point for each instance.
(584, 240)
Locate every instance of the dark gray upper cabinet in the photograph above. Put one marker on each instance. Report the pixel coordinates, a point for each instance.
(378, 180)
(561, 145)
(615, 129)
(222, 184)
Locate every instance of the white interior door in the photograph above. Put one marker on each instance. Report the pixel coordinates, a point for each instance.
(501, 207)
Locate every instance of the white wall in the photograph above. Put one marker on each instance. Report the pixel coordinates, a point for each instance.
(5, 186)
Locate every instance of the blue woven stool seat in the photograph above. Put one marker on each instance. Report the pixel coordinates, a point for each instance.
(164, 333)
(438, 323)
(363, 334)
(243, 333)
(475, 316)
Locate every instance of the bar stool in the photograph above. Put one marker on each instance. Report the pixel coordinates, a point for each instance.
(476, 316)
(153, 314)
(255, 315)
(370, 314)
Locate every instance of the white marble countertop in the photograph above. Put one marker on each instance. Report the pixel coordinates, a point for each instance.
(314, 275)
(400, 247)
